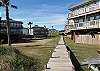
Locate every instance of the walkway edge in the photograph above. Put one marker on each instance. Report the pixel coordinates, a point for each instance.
(60, 60)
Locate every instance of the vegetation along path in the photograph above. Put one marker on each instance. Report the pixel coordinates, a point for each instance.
(60, 60)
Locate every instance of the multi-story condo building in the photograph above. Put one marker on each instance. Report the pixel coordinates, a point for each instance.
(84, 19)
(40, 31)
(15, 29)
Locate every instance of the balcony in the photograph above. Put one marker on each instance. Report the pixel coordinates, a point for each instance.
(87, 25)
(12, 31)
(78, 13)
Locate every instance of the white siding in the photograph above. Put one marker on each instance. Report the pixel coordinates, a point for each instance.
(31, 32)
(99, 4)
(71, 22)
(25, 31)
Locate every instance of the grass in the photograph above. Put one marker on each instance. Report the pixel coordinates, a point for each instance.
(11, 59)
(34, 55)
(82, 51)
(42, 51)
(53, 34)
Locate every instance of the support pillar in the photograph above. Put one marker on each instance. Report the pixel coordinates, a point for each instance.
(73, 35)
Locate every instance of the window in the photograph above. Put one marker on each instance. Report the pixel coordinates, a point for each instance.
(76, 25)
(81, 24)
(76, 12)
(76, 21)
(94, 6)
(11, 24)
(98, 5)
(81, 20)
(81, 10)
(91, 18)
(87, 9)
(88, 19)
(97, 17)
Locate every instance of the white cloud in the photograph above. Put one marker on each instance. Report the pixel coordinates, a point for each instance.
(44, 15)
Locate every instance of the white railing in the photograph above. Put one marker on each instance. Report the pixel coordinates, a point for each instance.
(87, 25)
(72, 15)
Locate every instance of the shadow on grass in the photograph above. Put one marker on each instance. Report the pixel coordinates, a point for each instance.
(17, 41)
(21, 41)
(32, 46)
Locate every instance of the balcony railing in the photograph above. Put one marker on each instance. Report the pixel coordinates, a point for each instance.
(12, 31)
(76, 14)
(87, 25)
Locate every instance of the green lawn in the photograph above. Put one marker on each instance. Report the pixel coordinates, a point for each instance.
(82, 51)
(41, 51)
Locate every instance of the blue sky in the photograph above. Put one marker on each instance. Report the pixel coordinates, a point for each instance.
(41, 12)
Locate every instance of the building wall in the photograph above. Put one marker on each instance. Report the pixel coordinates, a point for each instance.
(15, 27)
(40, 31)
(85, 16)
(85, 9)
(82, 17)
(25, 31)
(87, 39)
(30, 31)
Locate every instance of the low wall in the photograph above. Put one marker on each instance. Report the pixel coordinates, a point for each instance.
(87, 39)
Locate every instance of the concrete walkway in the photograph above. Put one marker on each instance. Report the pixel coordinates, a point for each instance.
(60, 60)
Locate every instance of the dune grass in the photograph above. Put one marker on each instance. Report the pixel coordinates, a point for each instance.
(82, 51)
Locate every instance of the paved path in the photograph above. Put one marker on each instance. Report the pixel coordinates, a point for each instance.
(60, 60)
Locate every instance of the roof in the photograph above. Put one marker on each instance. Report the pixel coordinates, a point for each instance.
(81, 4)
(12, 21)
(37, 27)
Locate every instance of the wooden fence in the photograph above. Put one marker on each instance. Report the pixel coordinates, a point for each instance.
(87, 39)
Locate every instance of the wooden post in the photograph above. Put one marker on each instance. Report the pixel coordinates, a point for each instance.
(73, 35)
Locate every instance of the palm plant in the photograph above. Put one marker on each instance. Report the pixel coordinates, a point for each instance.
(5, 4)
(52, 27)
(30, 23)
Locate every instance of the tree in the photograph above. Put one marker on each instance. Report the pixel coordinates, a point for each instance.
(5, 4)
(52, 27)
(30, 23)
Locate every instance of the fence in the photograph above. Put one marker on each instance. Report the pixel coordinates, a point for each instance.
(87, 39)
